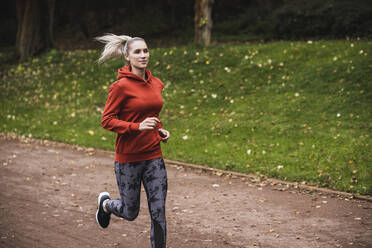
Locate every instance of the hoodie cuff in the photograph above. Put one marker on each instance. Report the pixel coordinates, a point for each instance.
(134, 126)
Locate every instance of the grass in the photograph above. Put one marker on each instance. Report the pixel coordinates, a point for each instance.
(298, 111)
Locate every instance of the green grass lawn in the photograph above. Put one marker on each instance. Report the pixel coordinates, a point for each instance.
(298, 111)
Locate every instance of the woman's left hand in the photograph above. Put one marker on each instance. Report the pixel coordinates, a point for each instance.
(164, 134)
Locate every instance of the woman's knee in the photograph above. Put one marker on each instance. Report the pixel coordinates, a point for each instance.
(131, 216)
(128, 213)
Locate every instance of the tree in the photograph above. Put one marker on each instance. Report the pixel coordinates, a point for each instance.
(203, 21)
(35, 26)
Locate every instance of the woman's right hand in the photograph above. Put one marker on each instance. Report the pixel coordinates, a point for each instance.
(149, 123)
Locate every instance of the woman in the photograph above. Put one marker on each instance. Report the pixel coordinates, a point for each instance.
(132, 111)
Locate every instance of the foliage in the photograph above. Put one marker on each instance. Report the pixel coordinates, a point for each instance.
(170, 22)
(298, 111)
(319, 18)
(295, 19)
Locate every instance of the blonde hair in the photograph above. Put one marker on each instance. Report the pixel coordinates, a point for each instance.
(115, 46)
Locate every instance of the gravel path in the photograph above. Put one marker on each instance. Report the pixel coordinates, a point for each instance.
(49, 192)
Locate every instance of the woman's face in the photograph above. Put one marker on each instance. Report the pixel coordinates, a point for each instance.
(138, 54)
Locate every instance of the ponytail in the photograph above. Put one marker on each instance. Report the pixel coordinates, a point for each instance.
(116, 46)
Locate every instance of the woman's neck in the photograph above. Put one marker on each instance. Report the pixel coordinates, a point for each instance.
(139, 72)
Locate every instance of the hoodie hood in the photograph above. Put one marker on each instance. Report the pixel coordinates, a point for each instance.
(126, 72)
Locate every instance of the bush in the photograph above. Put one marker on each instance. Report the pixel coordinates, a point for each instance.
(296, 19)
(319, 18)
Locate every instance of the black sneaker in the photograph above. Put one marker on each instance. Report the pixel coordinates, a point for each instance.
(102, 218)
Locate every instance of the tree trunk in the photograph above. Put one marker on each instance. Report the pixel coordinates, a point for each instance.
(203, 21)
(35, 27)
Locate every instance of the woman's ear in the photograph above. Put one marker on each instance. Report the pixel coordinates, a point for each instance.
(126, 57)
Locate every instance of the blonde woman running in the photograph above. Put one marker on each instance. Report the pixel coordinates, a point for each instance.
(132, 111)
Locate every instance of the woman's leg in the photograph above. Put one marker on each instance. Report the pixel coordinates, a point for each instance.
(155, 183)
(128, 177)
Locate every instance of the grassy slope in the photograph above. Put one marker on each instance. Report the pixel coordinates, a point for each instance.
(292, 110)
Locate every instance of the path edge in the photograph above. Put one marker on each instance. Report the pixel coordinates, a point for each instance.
(271, 180)
(202, 168)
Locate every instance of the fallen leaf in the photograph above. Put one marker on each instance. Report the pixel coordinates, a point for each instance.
(175, 209)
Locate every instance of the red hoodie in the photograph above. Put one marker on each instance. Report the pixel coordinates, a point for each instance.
(132, 99)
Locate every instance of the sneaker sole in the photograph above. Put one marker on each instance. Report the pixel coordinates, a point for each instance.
(100, 196)
(99, 200)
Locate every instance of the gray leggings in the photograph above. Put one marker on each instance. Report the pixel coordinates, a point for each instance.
(154, 177)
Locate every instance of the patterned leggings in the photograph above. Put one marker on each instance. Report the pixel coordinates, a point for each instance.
(154, 177)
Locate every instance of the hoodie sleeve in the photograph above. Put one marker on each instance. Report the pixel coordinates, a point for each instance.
(160, 125)
(110, 120)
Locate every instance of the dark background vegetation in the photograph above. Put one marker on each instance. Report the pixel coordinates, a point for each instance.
(167, 22)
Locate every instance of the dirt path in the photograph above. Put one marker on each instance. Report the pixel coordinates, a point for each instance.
(48, 199)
